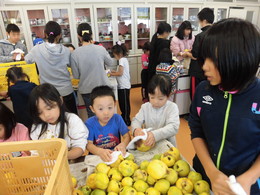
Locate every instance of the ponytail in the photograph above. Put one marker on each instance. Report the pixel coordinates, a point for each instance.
(52, 30)
(84, 30)
(14, 74)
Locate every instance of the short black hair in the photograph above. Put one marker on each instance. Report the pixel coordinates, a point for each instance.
(52, 30)
(163, 82)
(84, 30)
(7, 119)
(69, 45)
(234, 47)
(180, 32)
(13, 74)
(146, 46)
(120, 49)
(101, 91)
(206, 14)
(165, 56)
(12, 28)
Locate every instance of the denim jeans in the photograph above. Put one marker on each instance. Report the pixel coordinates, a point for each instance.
(86, 98)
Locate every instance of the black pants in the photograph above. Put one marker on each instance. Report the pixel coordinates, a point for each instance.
(124, 104)
(144, 80)
(70, 103)
(86, 98)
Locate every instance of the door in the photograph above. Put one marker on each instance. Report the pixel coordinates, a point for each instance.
(143, 26)
(36, 19)
(62, 16)
(104, 23)
(83, 14)
(161, 15)
(125, 26)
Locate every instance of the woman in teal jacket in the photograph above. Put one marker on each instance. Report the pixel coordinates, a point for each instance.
(225, 113)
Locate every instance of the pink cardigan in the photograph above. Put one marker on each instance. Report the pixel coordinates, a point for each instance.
(20, 133)
(178, 45)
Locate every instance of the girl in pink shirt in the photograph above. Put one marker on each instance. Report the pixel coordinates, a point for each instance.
(182, 42)
(10, 130)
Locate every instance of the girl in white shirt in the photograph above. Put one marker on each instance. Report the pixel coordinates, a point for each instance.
(123, 79)
(51, 121)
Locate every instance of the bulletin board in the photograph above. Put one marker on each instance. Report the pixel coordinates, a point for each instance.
(29, 69)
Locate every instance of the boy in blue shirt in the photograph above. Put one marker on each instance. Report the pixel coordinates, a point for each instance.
(106, 128)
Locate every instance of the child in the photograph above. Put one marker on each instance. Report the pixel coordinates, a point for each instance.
(168, 68)
(123, 79)
(52, 60)
(159, 114)
(10, 130)
(19, 93)
(51, 120)
(144, 73)
(106, 128)
(225, 116)
(12, 43)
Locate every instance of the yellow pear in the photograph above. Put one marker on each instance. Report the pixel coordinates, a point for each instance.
(128, 191)
(182, 168)
(127, 181)
(114, 186)
(157, 169)
(141, 186)
(115, 174)
(102, 167)
(91, 181)
(140, 175)
(112, 193)
(162, 186)
(144, 165)
(204, 193)
(77, 192)
(152, 191)
(157, 157)
(194, 176)
(175, 153)
(140, 193)
(172, 176)
(130, 157)
(117, 163)
(98, 192)
(101, 181)
(174, 191)
(201, 186)
(168, 159)
(150, 180)
(126, 168)
(140, 146)
(185, 185)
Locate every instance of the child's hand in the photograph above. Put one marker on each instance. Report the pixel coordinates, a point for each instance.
(138, 132)
(150, 141)
(121, 147)
(105, 154)
(3, 94)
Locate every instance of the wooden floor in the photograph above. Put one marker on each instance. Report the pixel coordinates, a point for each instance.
(183, 137)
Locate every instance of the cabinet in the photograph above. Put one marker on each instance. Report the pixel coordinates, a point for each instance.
(15, 16)
(62, 15)
(181, 13)
(161, 15)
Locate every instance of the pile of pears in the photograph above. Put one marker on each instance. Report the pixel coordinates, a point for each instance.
(165, 174)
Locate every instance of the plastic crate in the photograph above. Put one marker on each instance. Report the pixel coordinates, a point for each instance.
(47, 173)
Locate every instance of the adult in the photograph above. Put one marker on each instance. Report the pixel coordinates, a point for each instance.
(88, 64)
(183, 40)
(158, 43)
(206, 18)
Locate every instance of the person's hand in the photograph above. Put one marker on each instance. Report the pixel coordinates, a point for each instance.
(138, 132)
(185, 55)
(105, 154)
(245, 183)
(219, 183)
(14, 56)
(4, 94)
(22, 57)
(150, 141)
(121, 147)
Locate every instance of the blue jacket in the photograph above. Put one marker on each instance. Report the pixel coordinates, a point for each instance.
(241, 144)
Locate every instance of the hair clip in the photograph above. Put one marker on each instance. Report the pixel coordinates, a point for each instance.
(85, 31)
(51, 33)
(119, 43)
